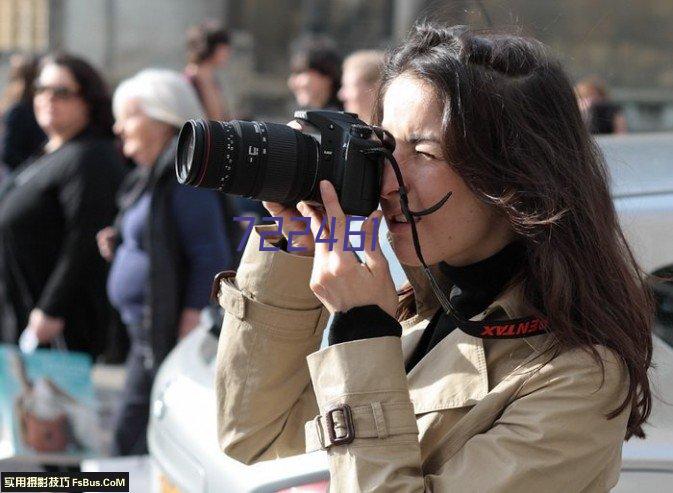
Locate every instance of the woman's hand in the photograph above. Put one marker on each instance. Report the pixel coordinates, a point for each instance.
(46, 328)
(106, 239)
(338, 279)
(288, 213)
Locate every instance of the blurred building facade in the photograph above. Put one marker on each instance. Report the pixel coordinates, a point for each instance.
(627, 42)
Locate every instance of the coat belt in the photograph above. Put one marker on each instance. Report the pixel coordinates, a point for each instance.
(377, 420)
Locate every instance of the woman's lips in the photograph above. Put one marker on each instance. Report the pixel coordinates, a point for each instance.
(398, 228)
(398, 225)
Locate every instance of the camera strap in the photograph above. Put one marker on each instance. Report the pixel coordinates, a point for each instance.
(501, 329)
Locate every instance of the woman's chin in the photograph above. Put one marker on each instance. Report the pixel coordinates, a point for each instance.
(47, 125)
(404, 251)
(132, 151)
(303, 100)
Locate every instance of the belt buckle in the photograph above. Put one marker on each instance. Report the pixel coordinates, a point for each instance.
(345, 410)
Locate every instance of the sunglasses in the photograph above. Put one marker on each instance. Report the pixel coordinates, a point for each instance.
(59, 92)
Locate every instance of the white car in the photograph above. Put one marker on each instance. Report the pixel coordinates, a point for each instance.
(182, 436)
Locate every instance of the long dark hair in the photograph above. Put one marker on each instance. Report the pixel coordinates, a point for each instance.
(512, 130)
(93, 90)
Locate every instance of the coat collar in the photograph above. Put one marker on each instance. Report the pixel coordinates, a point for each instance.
(454, 373)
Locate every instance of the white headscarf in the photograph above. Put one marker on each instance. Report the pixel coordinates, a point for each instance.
(165, 95)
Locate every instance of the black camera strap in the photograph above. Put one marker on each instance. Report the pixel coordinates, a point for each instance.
(501, 329)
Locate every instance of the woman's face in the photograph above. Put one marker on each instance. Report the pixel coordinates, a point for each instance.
(311, 89)
(357, 95)
(59, 108)
(221, 55)
(464, 230)
(142, 137)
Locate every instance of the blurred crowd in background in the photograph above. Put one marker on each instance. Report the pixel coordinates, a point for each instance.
(101, 250)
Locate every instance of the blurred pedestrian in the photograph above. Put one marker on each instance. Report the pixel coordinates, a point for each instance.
(601, 115)
(168, 241)
(315, 76)
(208, 50)
(360, 81)
(51, 207)
(20, 135)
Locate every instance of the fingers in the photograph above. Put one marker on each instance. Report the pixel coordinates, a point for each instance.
(320, 227)
(274, 208)
(316, 219)
(103, 234)
(296, 124)
(104, 240)
(279, 210)
(290, 224)
(333, 209)
(373, 254)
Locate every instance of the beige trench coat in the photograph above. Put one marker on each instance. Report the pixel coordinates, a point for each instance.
(473, 415)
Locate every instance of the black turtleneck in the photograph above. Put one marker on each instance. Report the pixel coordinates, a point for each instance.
(474, 288)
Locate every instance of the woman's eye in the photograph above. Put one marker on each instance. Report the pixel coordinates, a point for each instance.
(426, 155)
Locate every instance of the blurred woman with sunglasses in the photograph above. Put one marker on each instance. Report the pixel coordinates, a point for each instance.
(52, 206)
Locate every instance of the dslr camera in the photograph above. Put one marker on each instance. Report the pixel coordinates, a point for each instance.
(276, 163)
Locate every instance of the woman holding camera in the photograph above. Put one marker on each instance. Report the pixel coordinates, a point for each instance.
(408, 397)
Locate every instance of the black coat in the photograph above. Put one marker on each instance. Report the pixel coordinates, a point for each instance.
(50, 211)
(21, 135)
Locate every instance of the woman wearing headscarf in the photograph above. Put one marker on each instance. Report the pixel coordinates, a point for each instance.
(170, 239)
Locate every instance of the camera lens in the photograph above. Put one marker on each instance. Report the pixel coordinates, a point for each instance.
(263, 161)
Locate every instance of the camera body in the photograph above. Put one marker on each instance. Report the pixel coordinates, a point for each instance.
(273, 162)
(356, 176)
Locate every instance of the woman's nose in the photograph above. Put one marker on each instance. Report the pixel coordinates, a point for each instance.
(47, 97)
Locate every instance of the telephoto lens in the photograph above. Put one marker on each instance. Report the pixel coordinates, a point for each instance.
(273, 162)
(263, 161)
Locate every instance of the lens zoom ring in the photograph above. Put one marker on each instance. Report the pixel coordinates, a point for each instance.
(222, 151)
(281, 167)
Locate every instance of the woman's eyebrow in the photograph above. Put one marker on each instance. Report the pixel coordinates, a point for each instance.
(423, 139)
